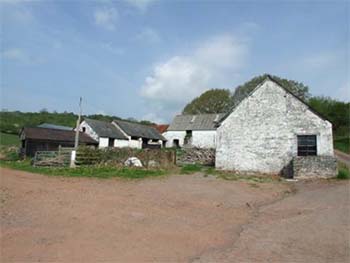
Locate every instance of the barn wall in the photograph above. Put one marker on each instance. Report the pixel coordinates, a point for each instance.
(261, 133)
(103, 142)
(200, 139)
(121, 143)
(204, 139)
(172, 135)
(88, 130)
(135, 144)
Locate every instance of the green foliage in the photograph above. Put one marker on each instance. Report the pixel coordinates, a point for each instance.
(297, 88)
(342, 144)
(211, 101)
(86, 171)
(191, 168)
(343, 173)
(9, 153)
(337, 112)
(9, 139)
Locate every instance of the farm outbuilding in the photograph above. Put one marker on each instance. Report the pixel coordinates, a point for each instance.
(44, 139)
(269, 129)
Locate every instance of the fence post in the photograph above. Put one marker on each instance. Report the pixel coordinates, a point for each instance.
(72, 159)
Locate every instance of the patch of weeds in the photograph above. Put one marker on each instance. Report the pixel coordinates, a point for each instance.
(343, 174)
(86, 171)
(191, 168)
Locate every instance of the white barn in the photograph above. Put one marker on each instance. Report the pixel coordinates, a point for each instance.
(105, 133)
(122, 134)
(268, 128)
(193, 131)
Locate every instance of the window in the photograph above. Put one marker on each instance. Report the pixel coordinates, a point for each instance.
(84, 129)
(307, 145)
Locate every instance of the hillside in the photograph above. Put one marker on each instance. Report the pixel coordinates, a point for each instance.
(12, 121)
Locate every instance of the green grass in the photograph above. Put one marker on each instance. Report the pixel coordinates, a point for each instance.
(343, 173)
(85, 171)
(342, 144)
(191, 168)
(9, 139)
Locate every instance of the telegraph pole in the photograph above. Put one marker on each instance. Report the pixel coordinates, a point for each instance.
(76, 142)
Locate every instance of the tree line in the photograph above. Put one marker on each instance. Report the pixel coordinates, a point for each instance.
(223, 100)
(12, 121)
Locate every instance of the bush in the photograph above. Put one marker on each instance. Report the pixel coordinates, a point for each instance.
(10, 153)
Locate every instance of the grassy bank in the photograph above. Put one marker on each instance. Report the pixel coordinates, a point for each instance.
(9, 139)
(342, 144)
(85, 171)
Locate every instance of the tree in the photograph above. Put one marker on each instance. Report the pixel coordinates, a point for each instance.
(211, 101)
(297, 88)
(337, 112)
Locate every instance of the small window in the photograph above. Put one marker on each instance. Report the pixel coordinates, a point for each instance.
(84, 129)
(307, 145)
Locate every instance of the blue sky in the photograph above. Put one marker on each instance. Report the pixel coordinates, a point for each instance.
(146, 59)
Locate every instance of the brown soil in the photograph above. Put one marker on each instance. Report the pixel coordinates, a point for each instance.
(174, 219)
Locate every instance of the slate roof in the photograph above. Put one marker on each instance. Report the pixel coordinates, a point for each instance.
(105, 129)
(139, 130)
(195, 122)
(54, 126)
(46, 134)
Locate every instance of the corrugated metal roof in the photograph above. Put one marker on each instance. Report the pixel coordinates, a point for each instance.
(139, 130)
(105, 129)
(54, 126)
(46, 134)
(195, 122)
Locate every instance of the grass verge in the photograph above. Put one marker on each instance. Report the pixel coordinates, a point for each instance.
(342, 144)
(343, 172)
(85, 171)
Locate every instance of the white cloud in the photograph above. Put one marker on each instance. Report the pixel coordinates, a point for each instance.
(142, 5)
(106, 17)
(149, 35)
(14, 54)
(213, 64)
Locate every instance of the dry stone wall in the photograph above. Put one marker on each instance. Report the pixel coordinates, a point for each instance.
(314, 167)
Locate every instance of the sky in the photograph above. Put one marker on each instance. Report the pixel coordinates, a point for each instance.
(146, 59)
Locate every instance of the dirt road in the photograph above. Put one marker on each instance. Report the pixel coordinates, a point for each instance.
(182, 218)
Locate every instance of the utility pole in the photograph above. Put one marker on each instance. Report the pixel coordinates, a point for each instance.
(76, 142)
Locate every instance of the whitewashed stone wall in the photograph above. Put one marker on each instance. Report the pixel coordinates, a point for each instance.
(204, 139)
(173, 135)
(103, 142)
(200, 139)
(121, 143)
(260, 135)
(88, 130)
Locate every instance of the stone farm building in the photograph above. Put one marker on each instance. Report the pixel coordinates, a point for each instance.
(122, 134)
(193, 131)
(270, 128)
